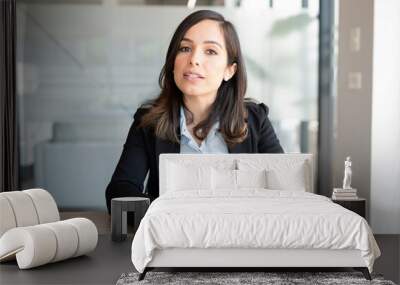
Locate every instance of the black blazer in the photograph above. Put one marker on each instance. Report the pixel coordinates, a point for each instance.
(142, 149)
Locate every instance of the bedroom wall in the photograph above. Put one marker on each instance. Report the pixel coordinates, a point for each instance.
(367, 117)
(353, 101)
(385, 142)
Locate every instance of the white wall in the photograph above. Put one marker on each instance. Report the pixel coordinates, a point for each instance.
(385, 141)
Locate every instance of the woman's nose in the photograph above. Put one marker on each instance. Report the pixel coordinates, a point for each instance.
(195, 58)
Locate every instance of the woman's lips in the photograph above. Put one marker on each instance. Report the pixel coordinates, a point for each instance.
(192, 76)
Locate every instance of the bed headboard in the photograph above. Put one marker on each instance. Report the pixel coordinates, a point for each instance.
(278, 162)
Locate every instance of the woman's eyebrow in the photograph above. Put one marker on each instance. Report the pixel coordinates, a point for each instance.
(206, 42)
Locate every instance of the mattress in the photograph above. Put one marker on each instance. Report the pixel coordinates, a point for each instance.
(251, 219)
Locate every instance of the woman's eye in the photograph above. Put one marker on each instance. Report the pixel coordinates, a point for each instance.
(211, 51)
(184, 49)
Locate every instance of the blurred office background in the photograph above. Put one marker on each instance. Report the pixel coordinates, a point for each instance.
(85, 66)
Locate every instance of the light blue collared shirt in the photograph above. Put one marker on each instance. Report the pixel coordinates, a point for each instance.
(213, 143)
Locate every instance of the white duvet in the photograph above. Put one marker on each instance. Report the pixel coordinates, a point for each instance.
(252, 218)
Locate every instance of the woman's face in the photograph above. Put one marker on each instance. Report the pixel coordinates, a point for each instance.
(201, 61)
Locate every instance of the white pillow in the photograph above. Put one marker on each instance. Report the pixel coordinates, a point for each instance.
(283, 173)
(251, 178)
(188, 177)
(293, 178)
(226, 179)
(223, 179)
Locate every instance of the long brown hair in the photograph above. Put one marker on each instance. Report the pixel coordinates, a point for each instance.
(228, 106)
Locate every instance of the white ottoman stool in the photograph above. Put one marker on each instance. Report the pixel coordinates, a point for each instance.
(31, 230)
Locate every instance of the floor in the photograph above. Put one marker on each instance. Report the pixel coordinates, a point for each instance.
(110, 260)
(388, 263)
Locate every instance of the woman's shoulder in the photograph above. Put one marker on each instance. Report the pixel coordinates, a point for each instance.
(142, 110)
(256, 109)
(137, 120)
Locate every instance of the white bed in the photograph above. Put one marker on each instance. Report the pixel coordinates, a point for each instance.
(237, 210)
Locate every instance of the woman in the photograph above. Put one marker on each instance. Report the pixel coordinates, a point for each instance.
(201, 108)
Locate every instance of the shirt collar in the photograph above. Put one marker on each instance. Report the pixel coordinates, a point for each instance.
(185, 132)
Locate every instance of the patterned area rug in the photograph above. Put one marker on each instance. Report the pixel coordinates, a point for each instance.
(229, 278)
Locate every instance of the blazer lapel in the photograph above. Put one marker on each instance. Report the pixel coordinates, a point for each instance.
(165, 146)
(239, 148)
(244, 147)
